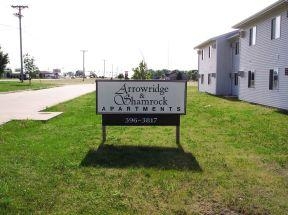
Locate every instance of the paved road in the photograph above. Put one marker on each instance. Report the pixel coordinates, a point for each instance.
(27, 104)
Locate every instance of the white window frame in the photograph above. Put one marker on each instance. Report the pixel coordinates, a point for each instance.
(276, 27)
(252, 36)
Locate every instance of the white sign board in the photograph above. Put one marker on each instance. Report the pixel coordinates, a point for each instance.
(141, 97)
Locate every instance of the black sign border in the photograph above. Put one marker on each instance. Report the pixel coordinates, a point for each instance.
(182, 81)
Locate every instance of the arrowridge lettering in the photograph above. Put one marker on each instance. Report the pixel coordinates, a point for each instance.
(143, 89)
(122, 96)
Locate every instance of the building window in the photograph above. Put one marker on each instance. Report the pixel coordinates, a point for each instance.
(252, 36)
(237, 48)
(202, 54)
(202, 78)
(275, 27)
(209, 79)
(251, 79)
(273, 79)
(210, 51)
(235, 79)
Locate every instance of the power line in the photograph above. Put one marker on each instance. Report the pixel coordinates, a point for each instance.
(19, 15)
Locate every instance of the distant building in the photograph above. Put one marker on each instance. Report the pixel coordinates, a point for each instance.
(6, 73)
(48, 75)
(57, 71)
(175, 75)
(15, 74)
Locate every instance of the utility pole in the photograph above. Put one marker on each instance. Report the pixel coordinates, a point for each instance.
(19, 15)
(112, 72)
(168, 56)
(83, 52)
(104, 69)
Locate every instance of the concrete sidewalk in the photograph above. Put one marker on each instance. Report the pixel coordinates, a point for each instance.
(27, 104)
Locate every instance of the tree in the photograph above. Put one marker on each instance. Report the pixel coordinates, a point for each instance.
(192, 75)
(157, 74)
(79, 73)
(4, 60)
(141, 72)
(30, 67)
(120, 76)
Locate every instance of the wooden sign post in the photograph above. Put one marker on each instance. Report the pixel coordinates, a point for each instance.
(141, 103)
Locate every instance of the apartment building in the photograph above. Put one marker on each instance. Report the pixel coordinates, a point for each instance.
(257, 69)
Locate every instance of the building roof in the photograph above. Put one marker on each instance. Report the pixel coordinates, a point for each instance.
(213, 39)
(234, 36)
(261, 13)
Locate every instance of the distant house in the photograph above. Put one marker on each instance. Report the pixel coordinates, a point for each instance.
(15, 74)
(257, 68)
(175, 75)
(48, 75)
(7, 73)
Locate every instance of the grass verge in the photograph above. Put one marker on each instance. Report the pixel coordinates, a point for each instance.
(7, 86)
(37, 84)
(234, 162)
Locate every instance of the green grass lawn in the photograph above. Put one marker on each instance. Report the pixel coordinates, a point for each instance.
(37, 84)
(16, 85)
(235, 161)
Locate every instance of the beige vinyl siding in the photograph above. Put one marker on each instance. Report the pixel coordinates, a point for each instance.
(265, 55)
(205, 67)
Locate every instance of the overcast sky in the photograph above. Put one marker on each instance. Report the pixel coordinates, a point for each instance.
(123, 32)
